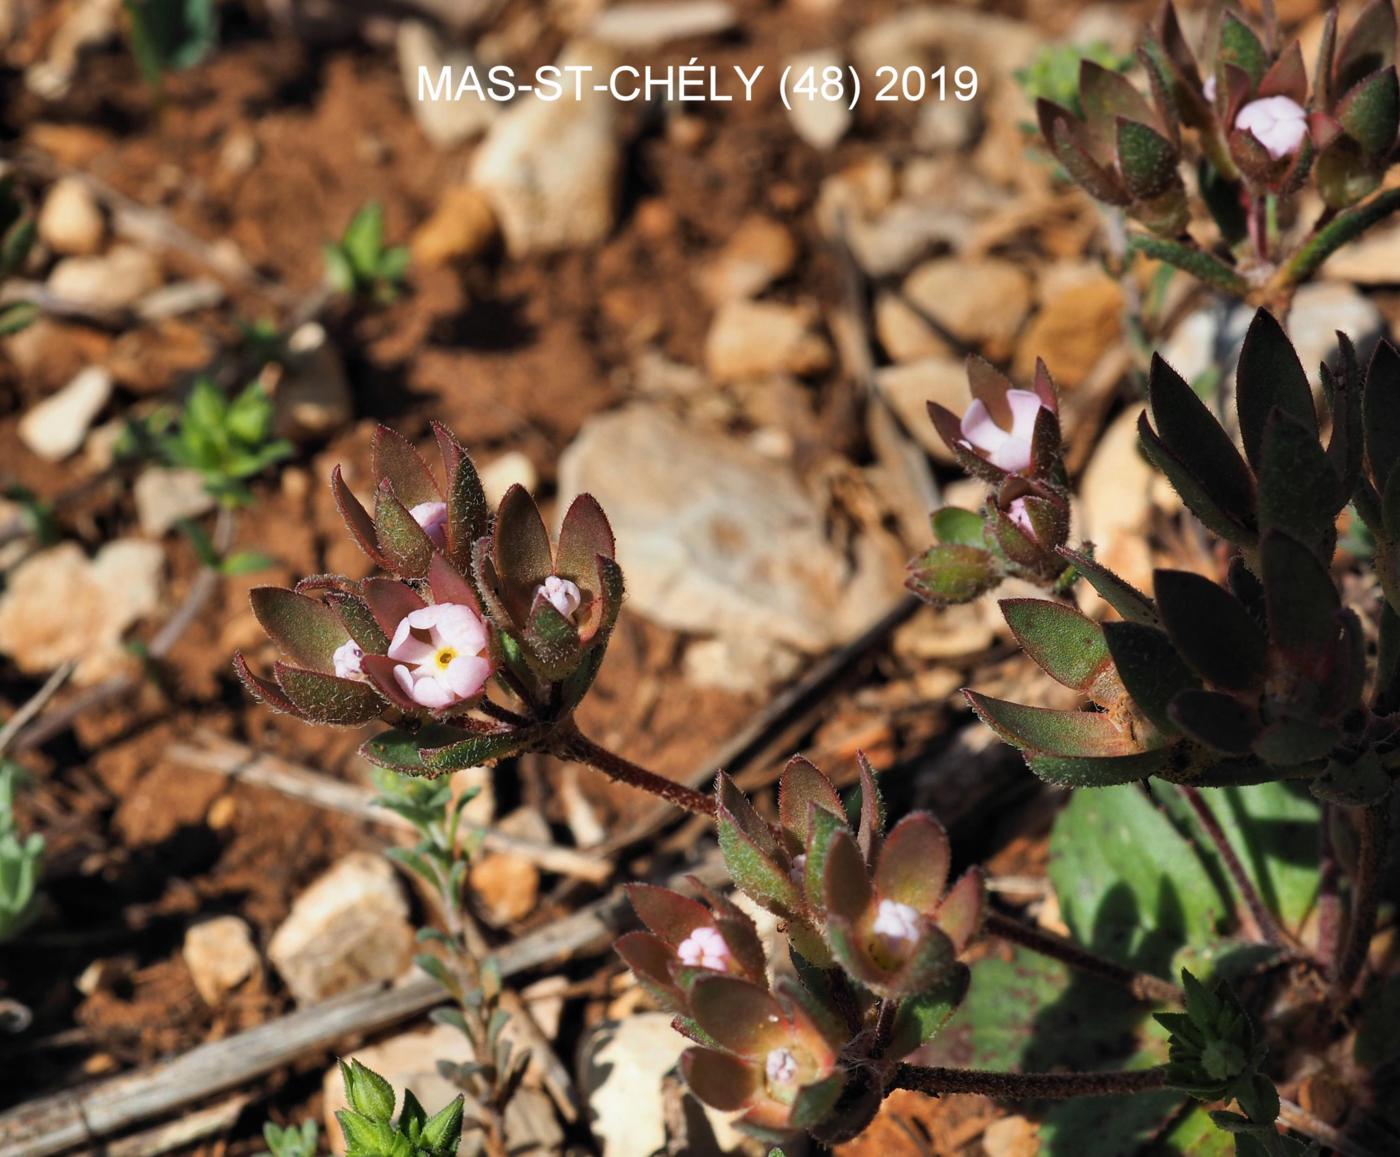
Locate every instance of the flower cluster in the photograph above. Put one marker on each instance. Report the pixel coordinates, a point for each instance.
(870, 908)
(1010, 438)
(473, 600)
(1246, 110)
(1263, 677)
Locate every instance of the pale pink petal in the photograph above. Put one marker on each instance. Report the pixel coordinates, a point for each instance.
(347, 660)
(404, 678)
(1276, 122)
(431, 693)
(466, 675)
(1025, 409)
(432, 517)
(1013, 455)
(979, 429)
(461, 629)
(404, 647)
(1018, 514)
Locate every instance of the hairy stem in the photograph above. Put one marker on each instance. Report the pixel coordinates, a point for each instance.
(1026, 1086)
(1265, 926)
(570, 743)
(1328, 238)
(1142, 985)
(1365, 897)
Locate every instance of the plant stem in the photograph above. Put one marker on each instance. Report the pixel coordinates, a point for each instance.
(1142, 985)
(1026, 1086)
(570, 743)
(1265, 926)
(1365, 897)
(1327, 239)
(1329, 900)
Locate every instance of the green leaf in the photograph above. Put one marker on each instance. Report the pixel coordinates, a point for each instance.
(443, 1130)
(921, 1017)
(1345, 227)
(1273, 828)
(368, 1093)
(954, 526)
(18, 316)
(476, 750)
(1146, 159)
(1301, 598)
(1091, 771)
(1370, 112)
(949, 573)
(1129, 885)
(327, 699)
(1066, 645)
(1242, 48)
(1199, 264)
(306, 630)
(171, 34)
(1127, 600)
(242, 562)
(1193, 492)
(364, 238)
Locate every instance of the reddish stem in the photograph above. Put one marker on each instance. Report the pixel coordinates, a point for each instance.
(1265, 926)
(1329, 900)
(570, 743)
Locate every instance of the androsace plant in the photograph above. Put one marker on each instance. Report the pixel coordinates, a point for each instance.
(485, 634)
(1213, 158)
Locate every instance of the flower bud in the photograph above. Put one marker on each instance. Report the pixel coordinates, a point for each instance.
(1010, 450)
(1276, 122)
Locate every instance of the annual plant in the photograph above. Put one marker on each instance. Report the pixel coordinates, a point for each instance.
(291, 1140)
(360, 265)
(227, 441)
(1242, 117)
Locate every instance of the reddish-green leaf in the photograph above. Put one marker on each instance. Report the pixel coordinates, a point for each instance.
(913, 864)
(1146, 159)
(720, 1081)
(522, 552)
(1124, 598)
(1091, 771)
(1301, 597)
(391, 602)
(800, 786)
(1070, 733)
(396, 460)
(964, 908)
(306, 630)
(327, 699)
(405, 545)
(263, 690)
(947, 574)
(1367, 47)
(1370, 112)
(584, 535)
(738, 1015)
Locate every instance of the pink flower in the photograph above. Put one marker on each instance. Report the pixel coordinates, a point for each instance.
(1208, 88)
(1276, 122)
(1018, 514)
(705, 948)
(1010, 450)
(780, 1066)
(347, 660)
(432, 517)
(897, 922)
(561, 594)
(447, 666)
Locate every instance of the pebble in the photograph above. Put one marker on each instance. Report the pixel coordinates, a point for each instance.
(451, 120)
(220, 955)
(755, 339)
(61, 606)
(462, 226)
(1082, 316)
(500, 474)
(909, 389)
(111, 283)
(625, 1064)
(648, 25)
(819, 121)
(904, 332)
(56, 427)
(313, 398)
(551, 169)
(164, 497)
(70, 221)
(715, 538)
(348, 928)
(979, 301)
(758, 253)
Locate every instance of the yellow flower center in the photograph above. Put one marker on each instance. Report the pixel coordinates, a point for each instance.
(443, 659)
